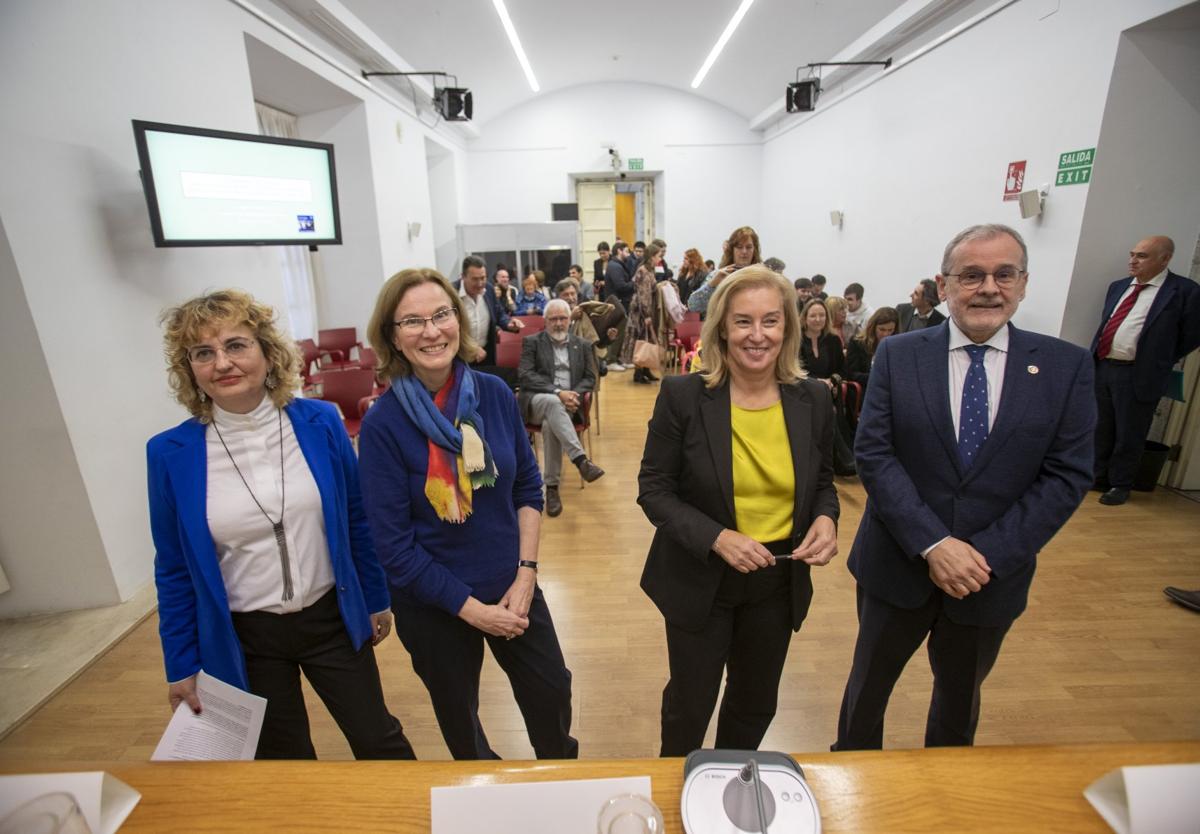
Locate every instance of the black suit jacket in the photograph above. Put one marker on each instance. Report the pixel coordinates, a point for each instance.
(685, 488)
(536, 371)
(907, 312)
(1171, 332)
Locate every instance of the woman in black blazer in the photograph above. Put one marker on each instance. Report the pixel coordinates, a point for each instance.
(820, 348)
(731, 601)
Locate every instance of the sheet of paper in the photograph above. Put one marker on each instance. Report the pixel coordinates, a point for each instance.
(1152, 799)
(528, 807)
(100, 799)
(226, 729)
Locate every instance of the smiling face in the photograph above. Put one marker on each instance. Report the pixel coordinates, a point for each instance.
(754, 328)
(502, 278)
(229, 366)
(474, 280)
(814, 320)
(570, 295)
(980, 312)
(431, 349)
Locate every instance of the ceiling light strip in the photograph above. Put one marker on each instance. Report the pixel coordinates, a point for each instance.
(511, 31)
(721, 41)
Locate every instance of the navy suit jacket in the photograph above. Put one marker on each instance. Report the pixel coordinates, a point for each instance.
(498, 315)
(685, 487)
(1171, 332)
(1031, 473)
(193, 609)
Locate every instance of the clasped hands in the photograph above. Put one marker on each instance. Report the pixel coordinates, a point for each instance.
(570, 400)
(957, 568)
(744, 554)
(509, 617)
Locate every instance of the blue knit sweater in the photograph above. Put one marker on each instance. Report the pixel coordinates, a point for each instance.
(433, 561)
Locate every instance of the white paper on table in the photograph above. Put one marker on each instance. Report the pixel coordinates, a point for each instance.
(1150, 799)
(226, 729)
(104, 800)
(528, 807)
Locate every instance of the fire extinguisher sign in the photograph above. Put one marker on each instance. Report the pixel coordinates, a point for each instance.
(1014, 182)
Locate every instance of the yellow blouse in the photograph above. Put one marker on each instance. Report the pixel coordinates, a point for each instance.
(764, 482)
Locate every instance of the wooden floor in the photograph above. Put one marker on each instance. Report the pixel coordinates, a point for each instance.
(1100, 655)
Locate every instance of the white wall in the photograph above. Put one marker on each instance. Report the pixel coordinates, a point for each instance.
(923, 152)
(89, 285)
(711, 162)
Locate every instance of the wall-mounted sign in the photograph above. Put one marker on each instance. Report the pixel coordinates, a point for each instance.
(637, 163)
(1075, 167)
(1015, 181)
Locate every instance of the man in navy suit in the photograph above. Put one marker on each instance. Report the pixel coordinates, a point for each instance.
(975, 446)
(1151, 320)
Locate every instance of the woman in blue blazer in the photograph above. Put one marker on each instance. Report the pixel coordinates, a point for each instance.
(263, 562)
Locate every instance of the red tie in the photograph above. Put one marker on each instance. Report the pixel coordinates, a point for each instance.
(1104, 347)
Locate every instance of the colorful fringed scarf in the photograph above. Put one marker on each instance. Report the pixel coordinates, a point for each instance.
(459, 458)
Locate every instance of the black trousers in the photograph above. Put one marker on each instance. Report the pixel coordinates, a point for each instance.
(961, 657)
(447, 654)
(747, 633)
(1122, 423)
(278, 647)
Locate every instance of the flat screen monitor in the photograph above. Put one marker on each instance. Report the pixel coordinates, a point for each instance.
(217, 188)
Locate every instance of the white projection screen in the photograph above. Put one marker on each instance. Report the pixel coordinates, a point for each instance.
(216, 188)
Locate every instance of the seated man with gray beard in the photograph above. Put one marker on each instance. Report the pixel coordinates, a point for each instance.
(556, 370)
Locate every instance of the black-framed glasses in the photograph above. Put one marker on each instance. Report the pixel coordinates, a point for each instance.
(233, 349)
(441, 320)
(970, 279)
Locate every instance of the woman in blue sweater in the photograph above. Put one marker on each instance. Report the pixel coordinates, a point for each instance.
(454, 499)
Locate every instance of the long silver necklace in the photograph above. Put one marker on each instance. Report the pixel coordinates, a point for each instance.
(276, 526)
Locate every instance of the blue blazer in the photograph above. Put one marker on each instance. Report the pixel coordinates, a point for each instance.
(1031, 474)
(193, 610)
(1171, 332)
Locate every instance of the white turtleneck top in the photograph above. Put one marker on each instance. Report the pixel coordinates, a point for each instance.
(246, 549)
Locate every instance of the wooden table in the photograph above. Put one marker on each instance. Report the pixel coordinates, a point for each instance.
(982, 789)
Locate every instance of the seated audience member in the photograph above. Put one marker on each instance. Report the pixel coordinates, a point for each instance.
(775, 265)
(582, 287)
(710, 264)
(484, 318)
(531, 301)
(692, 274)
(920, 311)
(263, 559)
(557, 369)
(822, 356)
(454, 499)
(594, 321)
(819, 287)
(741, 249)
(505, 292)
(857, 312)
(600, 265)
(724, 518)
(860, 353)
(836, 308)
(804, 292)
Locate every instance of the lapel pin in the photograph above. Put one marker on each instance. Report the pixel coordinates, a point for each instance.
(1033, 369)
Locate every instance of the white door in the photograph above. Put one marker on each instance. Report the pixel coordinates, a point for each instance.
(596, 223)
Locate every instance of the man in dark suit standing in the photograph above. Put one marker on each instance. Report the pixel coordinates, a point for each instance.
(975, 447)
(921, 310)
(556, 370)
(485, 316)
(618, 276)
(1151, 320)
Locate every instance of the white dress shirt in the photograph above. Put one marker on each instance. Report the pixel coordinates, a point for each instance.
(247, 554)
(479, 317)
(1124, 343)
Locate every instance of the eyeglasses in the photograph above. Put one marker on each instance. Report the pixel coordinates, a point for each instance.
(970, 279)
(234, 350)
(441, 320)
(557, 319)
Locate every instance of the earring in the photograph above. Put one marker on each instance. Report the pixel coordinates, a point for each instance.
(203, 396)
(270, 381)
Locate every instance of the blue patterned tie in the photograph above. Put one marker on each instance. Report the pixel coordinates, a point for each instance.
(973, 415)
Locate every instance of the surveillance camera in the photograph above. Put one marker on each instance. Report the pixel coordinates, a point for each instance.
(612, 151)
(622, 175)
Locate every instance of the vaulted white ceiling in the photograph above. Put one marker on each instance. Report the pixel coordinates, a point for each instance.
(664, 42)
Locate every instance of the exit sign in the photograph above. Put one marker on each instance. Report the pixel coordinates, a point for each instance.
(1075, 167)
(637, 164)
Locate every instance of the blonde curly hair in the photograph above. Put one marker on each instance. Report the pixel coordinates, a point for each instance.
(190, 322)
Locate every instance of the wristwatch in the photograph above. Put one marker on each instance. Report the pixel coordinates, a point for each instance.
(526, 563)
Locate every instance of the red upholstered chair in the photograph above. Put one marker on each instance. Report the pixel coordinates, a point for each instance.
(533, 324)
(582, 429)
(338, 342)
(508, 352)
(691, 316)
(346, 389)
(687, 333)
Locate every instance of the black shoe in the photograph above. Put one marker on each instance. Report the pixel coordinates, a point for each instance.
(649, 377)
(639, 376)
(1188, 599)
(1115, 497)
(553, 502)
(589, 471)
(603, 368)
(1101, 485)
